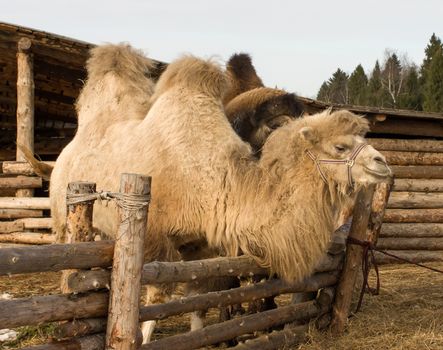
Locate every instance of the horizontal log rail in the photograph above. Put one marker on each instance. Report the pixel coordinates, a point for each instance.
(406, 145)
(80, 327)
(412, 200)
(25, 224)
(24, 203)
(418, 185)
(411, 230)
(21, 182)
(422, 243)
(40, 309)
(417, 256)
(418, 171)
(413, 158)
(20, 213)
(27, 238)
(233, 328)
(56, 257)
(20, 168)
(413, 215)
(236, 296)
(169, 272)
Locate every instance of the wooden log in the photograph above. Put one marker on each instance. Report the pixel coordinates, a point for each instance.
(78, 222)
(25, 102)
(418, 185)
(11, 226)
(237, 296)
(24, 203)
(25, 224)
(378, 208)
(21, 182)
(39, 309)
(407, 145)
(413, 158)
(81, 327)
(401, 243)
(414, 215)
(417, 230)
(83, 281)
(20, 168)
(36, 223)
(20, 213)
(230, 329)
(418, 171)
(415, 200)
(276, 340)
(91, 342)
(352, 264)
(417, 256)
(124, 300)
(27, 238)
(56, 257)
(408, 126)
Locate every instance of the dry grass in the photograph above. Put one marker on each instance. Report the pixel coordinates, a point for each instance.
(408, 313)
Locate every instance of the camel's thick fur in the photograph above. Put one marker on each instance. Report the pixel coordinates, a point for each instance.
(206, 184)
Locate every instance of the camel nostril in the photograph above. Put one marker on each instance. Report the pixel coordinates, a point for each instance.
(380, 160)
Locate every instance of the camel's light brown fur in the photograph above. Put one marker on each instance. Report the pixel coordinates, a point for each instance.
(206, 183)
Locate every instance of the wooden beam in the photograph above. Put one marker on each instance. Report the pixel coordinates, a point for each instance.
(418, 171)
(412, 230)
(418, 185)
(413, 215)
(27, 238)
(409, 243)
(56, 257)
(408, 145)
(80, 327)
(415, 200)
(24, 203)
(25, 102)
(20, 213)
(406, 126)
(20, 168)
(21, 182)
(413, 158)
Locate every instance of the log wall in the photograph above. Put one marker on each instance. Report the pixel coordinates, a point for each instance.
(413, 222)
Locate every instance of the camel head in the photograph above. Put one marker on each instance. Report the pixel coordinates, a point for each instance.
(335, 143)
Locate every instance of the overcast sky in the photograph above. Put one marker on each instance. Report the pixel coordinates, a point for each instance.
(295, 45)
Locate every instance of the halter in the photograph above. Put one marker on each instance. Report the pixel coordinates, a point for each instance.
(349, 162)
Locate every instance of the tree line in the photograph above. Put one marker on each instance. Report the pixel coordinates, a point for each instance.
(396, 83)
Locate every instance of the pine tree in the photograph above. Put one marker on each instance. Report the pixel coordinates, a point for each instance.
(338, 87)
(324, 93)
(375, 87)
(410, 97)
(434, 45)
(433, 88)
(358, 87)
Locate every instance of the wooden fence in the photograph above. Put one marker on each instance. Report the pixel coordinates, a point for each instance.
(95, 316)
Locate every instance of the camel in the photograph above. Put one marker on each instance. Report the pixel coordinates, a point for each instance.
(207, 183)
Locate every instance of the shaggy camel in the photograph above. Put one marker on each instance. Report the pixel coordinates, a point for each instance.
(280, 209)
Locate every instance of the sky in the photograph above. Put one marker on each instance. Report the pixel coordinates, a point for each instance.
(295, 45)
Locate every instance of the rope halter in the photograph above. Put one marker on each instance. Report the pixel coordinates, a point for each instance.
(349, 162)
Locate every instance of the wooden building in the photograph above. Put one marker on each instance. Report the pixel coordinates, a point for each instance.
(43, 74)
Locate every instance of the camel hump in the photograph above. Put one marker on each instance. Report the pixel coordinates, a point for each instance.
(203, 76)
(120, 59)
(242, 75)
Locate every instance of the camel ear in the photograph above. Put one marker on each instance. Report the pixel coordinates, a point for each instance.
(308, 134)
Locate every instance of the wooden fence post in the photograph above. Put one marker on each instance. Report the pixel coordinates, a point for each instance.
(379, 204)
(352, 265)
(25, 103)
(78, 222)
(124, 300)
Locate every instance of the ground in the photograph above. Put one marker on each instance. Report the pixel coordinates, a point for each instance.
(408, 313)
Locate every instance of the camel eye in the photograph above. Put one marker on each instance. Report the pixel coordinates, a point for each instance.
(340, 148)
